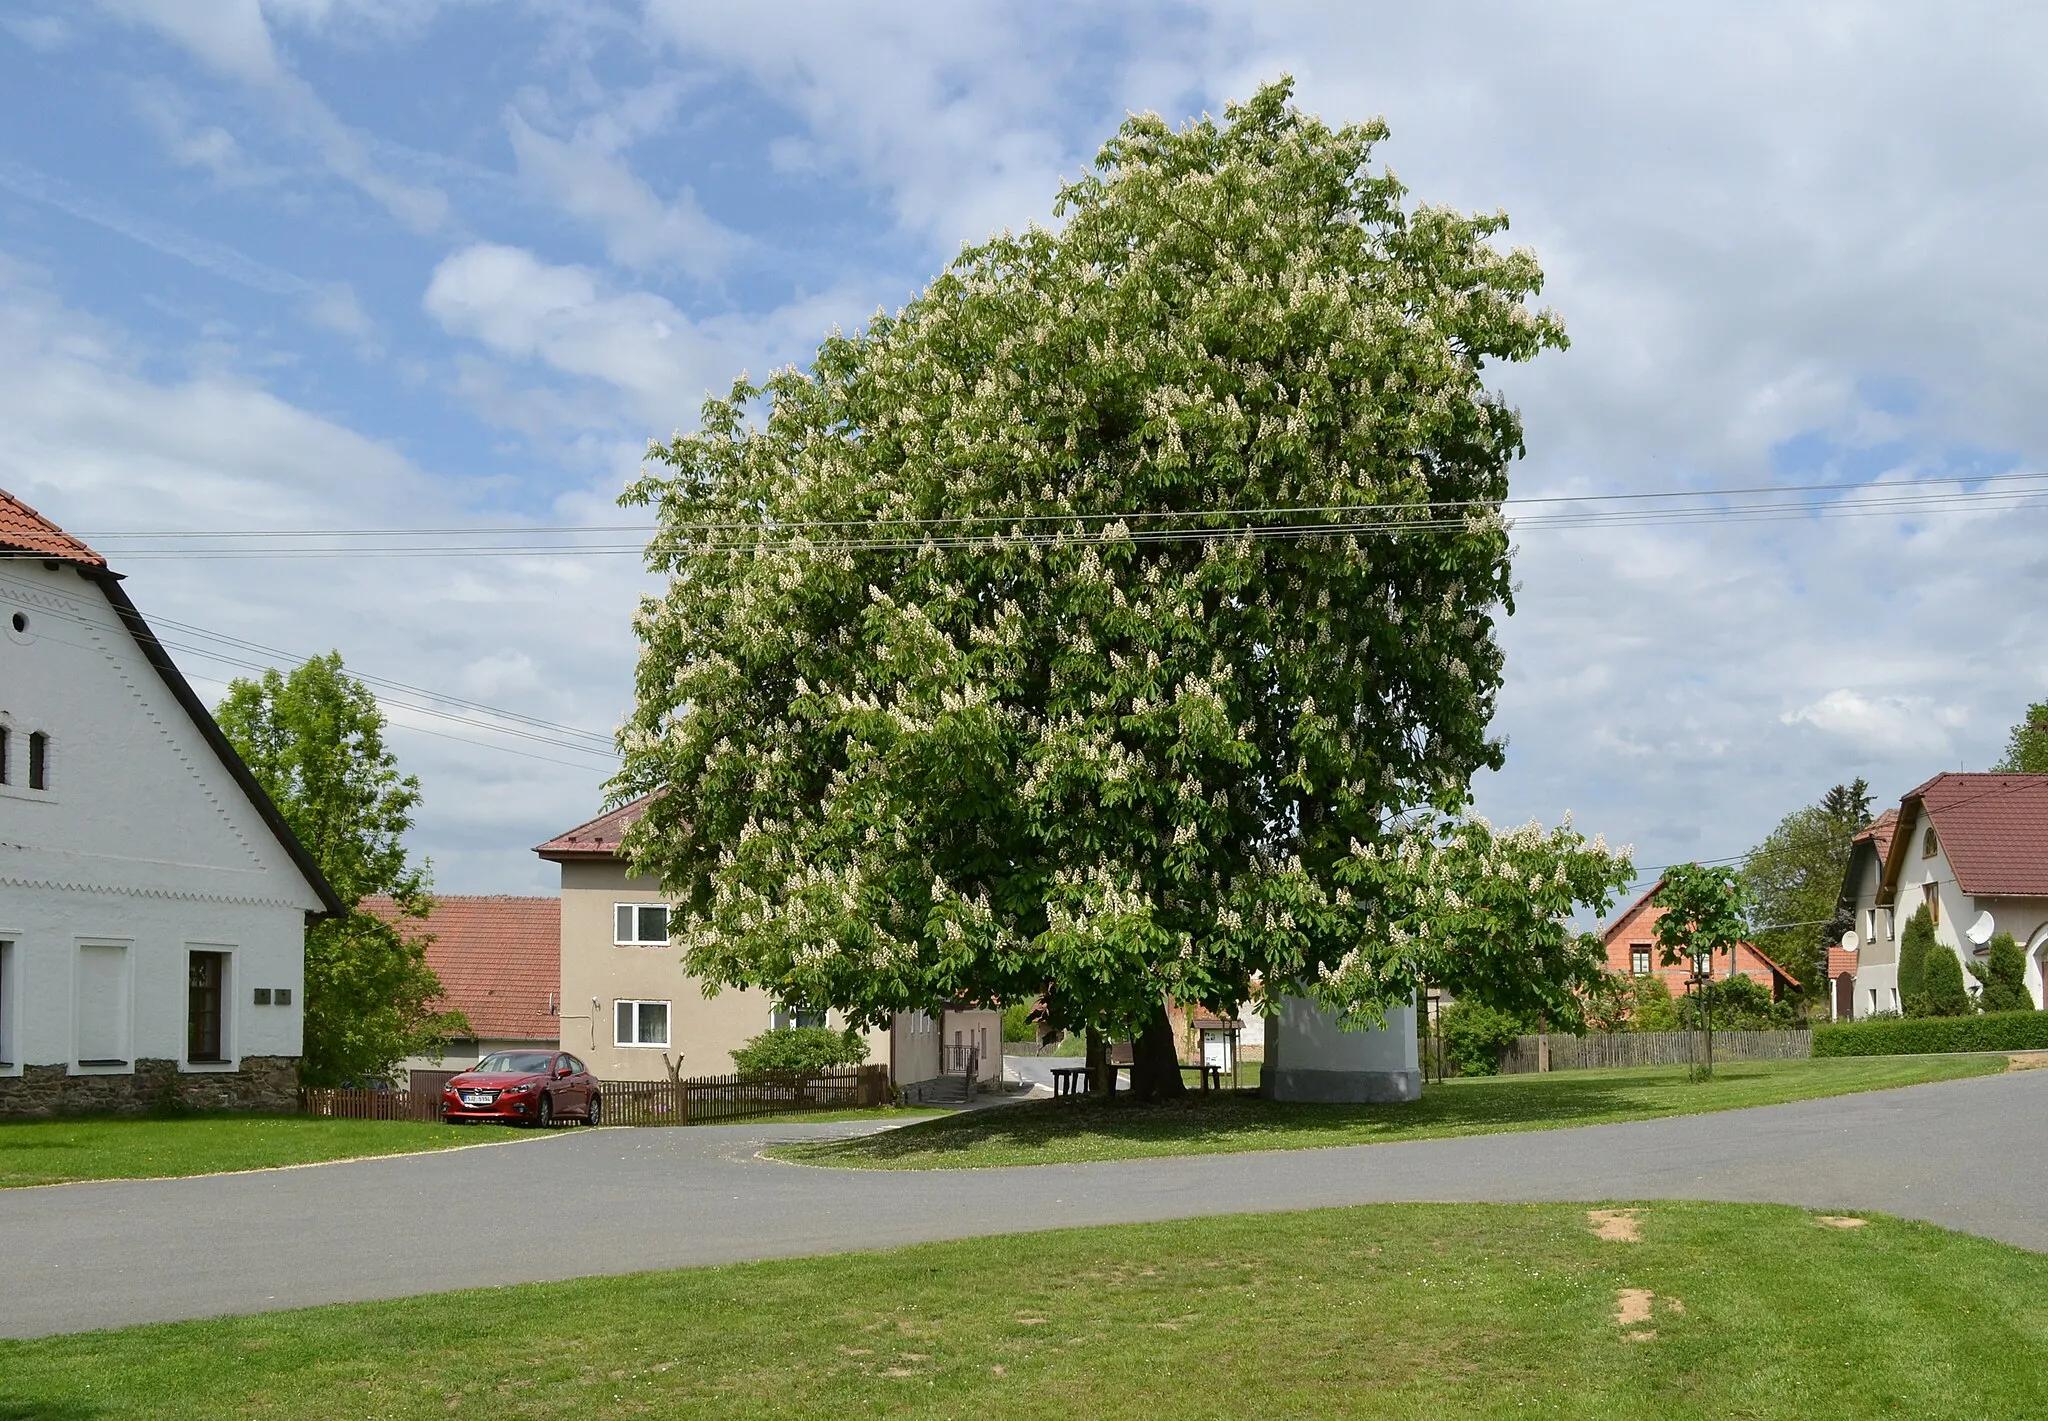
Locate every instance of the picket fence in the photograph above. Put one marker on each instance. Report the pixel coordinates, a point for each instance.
(703, 1100)
(1654, 1048)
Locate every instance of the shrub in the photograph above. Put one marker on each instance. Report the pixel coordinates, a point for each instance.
(1914, 945)
(801, 1048)
(1944, 992)
(1017, 1023)
(1650, 1006)
(1475, 1035)
(1918, 1036)
(2004, 977)
(1740, 1004)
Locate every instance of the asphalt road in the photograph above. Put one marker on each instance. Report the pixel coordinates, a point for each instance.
(1965, 1154)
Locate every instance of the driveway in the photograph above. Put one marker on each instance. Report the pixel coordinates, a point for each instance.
(1964, 1154)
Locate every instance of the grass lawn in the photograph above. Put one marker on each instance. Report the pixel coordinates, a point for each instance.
(833, 1117)
(1421, 1311)
(1060, 1131)
(57, 1151)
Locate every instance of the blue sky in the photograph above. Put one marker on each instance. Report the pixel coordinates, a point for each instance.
(391, 263)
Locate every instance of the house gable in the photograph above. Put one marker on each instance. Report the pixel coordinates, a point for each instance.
(140, 792)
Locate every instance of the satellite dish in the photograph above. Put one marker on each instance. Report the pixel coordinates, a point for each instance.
(1849, 941)
(1980, 931)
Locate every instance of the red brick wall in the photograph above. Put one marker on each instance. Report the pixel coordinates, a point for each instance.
(1637, 928)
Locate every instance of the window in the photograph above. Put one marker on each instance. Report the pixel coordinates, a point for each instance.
(640, 925)
(1895, 999)
(783, 1018)
(1928, 844)
(1703, 963)
(1870, 925)
(3, 756)
(1873, 999)
(6, 1006)
(1930, 894)
(640, 1023)
(38, 760)
(100, 1028)
(1639, 958)
(205, 991)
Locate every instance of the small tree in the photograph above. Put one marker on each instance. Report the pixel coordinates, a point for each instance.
(1703, 917)
(1945, 994)
(1914, 945)
(2004, 977)
(808, 1049)
(314, 739)
(1650, 1005)
(1476, 1034)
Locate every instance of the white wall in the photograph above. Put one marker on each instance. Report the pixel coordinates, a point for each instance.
(143, 838)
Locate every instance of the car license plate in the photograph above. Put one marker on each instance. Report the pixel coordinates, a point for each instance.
(478, 1097)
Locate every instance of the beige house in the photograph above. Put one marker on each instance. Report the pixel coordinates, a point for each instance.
(1972, 849)
(631, 1012)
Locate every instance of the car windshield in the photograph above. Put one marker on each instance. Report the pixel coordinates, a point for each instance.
(513, 1063)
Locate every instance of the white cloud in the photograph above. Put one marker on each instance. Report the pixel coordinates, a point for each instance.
(232, 38)
(1883, 724)
(588, 177)
(101, 446)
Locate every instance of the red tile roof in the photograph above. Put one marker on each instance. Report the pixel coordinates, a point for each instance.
(499, 959)
(1878, 833)
(599, 839)
(1993, 829)
(23, 530)
(1841, 963)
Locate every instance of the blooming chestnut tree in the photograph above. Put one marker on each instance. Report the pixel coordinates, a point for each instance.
(1082, 629)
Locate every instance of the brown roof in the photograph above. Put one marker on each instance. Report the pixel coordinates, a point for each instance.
(1878, 833)
(1841, 963)
(499, 959)
(23, 530)
(1993, 829)
(599, 839)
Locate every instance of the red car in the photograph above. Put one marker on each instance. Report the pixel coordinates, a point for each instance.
(523, 1088)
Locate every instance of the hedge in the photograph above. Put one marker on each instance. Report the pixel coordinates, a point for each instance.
(1920, 1036)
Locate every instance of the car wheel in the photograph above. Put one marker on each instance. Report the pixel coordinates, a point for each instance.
(547, 1111)
(447, 1119)
(594, 1115)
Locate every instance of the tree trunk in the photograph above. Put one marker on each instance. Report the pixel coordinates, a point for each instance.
(1155, 1065)
(1101, 1079)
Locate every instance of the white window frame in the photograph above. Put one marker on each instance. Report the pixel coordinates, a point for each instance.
(127, 946)
(783, 1018)
(668, 921)
(668, 1021)
(230, 1046)
(1648, 960)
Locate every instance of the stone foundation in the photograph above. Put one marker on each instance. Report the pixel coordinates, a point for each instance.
(261, 1083)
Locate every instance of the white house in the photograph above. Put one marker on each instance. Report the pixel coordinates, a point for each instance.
(1970, 848)
(153, 904)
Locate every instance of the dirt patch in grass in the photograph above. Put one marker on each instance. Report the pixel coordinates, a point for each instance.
(1615, 1225)
(1841, 1221)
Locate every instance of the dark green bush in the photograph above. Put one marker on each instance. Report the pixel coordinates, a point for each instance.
(800, 1048)
(1914, 945)
(1475, 1035)
(1927, 1035)
(1017, 1023)
(1944, 993)
(2004, 977)
(1740, 1004)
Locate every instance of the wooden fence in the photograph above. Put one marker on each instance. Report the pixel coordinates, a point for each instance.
(710, 1100)
(1654, 1048)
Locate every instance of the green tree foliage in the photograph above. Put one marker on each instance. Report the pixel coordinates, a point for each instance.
(974, 678)
(1944, 993)
(1647, 1005)
(2026, 750)
(809, 1049)
(1475, 1035)
(1703, 914)
(1915, 943)
(1793, 880)
(314, 739)
(2003, 977)
(1017, 1023)
(1739, 1004)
